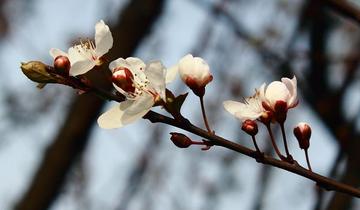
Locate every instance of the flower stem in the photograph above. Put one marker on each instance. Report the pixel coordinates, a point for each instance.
(255, 144)
(307, 159)
(285, 142)
(204, 114)
(273, 142)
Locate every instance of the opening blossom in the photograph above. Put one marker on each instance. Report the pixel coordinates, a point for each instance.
(142, 85)
(250, 109)
(279, 95)
(84, 56)
(194, 72)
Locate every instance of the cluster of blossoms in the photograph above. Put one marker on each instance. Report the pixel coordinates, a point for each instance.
(143, 86)
(268, 105)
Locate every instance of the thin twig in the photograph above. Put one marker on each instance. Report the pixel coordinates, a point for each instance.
(273, 142)
(345, 9)
(307, 159)
(285, 141)
(204, 114)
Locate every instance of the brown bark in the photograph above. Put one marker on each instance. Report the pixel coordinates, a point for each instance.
(134, 23)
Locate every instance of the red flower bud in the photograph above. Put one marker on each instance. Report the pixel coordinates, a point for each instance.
(62, 65)
(302, 133)
(180, 140)
(123, 78)
(250, 127)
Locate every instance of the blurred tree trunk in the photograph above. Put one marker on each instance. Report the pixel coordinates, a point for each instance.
(134, 23)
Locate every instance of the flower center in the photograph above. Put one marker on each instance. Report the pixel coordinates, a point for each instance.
(133, 83)
(87, 49)
(123, 78)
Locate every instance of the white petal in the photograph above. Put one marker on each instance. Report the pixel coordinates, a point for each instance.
(171, 73)
(113, 117)
(277, 91)
(126, 112)
(103, 38)
(137, 68)
(185, 66)
(136, 63)
(118, 63)
(81, 67)
(144, 102)
(201, 69)
(54, 52)
(292, 87)
(247, 114)
(233, 106)
(77, 53)
(155, 73)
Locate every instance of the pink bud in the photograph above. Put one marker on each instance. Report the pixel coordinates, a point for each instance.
(123, 78)
(250, 127)
(302, 133)
(62, 65)
(180, 140)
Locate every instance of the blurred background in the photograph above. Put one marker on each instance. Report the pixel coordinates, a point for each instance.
(54, 156)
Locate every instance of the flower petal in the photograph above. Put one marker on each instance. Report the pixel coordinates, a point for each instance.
(54, 52)
(247, 114)
(141, 104)
(81, 67)
(113, 117)
(155, 73)
(118, 63)
(292, 87)
(77, 53)
(103, 38)
(171, 73)
(233, 106)
(136, 63)
(277, 91)
(185, 65)
(126, 112)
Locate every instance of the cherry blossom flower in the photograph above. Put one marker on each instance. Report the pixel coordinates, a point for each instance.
(194, 72)
(84, 56)
(142, 85)
(279, 95)
(250, 109)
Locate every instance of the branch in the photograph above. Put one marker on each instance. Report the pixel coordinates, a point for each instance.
(344, 8)
(324, 182)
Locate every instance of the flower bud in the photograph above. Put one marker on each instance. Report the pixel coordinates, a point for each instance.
(38, 72)
(302, 133)
(250, 127)
(180, 140)
(62, 65)
(123, 78)
(195, 73)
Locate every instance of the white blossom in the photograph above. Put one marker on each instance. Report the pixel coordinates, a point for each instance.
(84, 56)
(194, 72)
(141, 84)
(284, 91)
(250, 109)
